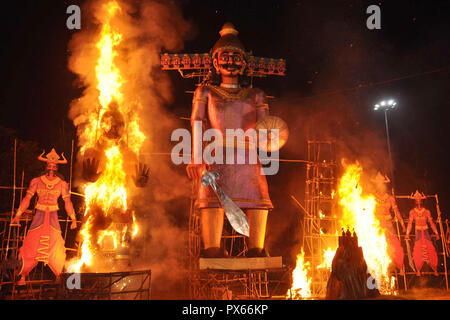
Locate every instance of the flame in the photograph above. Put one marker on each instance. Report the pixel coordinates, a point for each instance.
(109, 193)
(301, 279)
(359, 214)
(321, 215)
(327, 259)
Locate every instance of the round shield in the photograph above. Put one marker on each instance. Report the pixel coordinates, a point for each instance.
(272, 132)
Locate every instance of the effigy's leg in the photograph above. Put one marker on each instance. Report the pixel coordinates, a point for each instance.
(29, 251)
(432, 256)
(418, 257)
(57, 256)
(212, 225)
(257, 219)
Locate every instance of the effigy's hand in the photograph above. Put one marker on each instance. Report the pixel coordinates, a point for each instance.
(407, 236)
(73, 225)
(15, 221)
(403, 226)
(436, 236)
(141, 177)
(195, 171)
(90, 168)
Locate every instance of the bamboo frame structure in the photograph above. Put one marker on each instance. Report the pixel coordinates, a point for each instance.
(320, 223)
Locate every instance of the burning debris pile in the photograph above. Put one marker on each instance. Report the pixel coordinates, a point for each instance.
(356, 210)
(349, 277)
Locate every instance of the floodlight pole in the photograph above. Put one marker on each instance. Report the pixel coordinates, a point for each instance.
(391, 167)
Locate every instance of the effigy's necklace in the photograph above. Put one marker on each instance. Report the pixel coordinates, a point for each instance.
(50, 184)
(420, 212)
(239, 94)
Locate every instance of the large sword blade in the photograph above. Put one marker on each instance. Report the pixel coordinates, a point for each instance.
(410, 258)
(234, 214)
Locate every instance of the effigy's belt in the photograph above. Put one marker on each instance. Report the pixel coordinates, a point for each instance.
(47, 207)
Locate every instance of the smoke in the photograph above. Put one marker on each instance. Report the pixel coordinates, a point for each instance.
(148, 28)
(337, 118)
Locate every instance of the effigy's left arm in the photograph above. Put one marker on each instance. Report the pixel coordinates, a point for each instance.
(430, 221)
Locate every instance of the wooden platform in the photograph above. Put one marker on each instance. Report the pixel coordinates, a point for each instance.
(241, 263)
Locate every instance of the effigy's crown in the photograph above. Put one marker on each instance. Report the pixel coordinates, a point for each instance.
(418, 196)
(52, 157)
(228, 40)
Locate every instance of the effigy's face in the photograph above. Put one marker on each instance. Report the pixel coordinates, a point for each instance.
(229, 63)
(418, 202)
(52, 167)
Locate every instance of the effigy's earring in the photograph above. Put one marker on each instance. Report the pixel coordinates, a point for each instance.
(216, 66)
(242, 70)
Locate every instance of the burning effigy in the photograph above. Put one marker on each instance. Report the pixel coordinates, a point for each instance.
(110, 139)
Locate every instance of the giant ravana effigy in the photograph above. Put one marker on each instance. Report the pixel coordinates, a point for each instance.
(226, 102)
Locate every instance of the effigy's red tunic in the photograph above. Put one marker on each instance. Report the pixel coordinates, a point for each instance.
(243, 183)
(424, 250)
(43, 242)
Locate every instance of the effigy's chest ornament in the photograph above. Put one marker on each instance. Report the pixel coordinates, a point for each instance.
(50, 184)
(237, 95)
(199, 64)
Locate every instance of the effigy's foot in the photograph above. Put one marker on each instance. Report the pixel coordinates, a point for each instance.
(21, 281)
(214, 252)
(436, 273)
(257, 252)
(418, 273)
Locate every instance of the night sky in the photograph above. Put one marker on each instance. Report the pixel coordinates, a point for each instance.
(329, 52)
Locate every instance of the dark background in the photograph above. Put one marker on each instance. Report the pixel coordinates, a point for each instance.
(335, 65)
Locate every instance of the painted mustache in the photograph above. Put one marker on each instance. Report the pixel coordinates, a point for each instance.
(230, 66)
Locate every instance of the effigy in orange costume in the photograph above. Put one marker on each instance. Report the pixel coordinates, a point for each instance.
(424, 250)
(43, 242)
